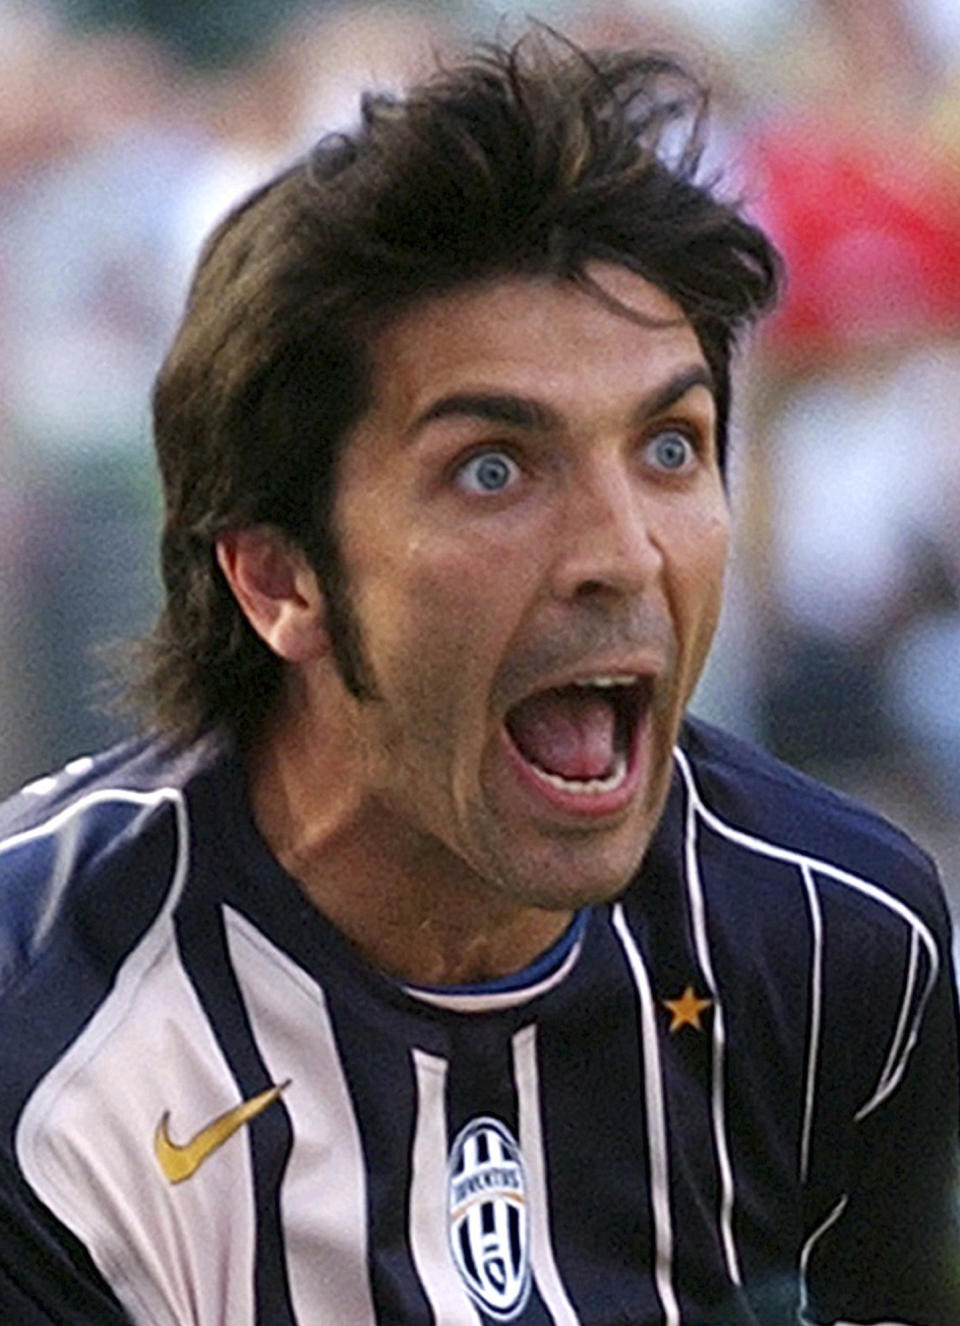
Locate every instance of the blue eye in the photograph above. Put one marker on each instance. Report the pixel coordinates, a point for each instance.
(671, 450)
(488, 472)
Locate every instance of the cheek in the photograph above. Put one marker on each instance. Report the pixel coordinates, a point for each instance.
(450, 594)
(698, 588)
(715, 549)
(435, 624)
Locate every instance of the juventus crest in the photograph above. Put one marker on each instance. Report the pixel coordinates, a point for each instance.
(488, 1217)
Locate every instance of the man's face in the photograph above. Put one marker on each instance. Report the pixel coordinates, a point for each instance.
(533, 530)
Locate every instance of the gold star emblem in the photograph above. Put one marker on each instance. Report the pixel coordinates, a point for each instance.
(685, 1011)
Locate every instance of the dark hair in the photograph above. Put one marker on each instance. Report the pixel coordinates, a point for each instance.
(538, 158)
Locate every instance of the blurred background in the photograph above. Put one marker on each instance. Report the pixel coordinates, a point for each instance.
(128, 126)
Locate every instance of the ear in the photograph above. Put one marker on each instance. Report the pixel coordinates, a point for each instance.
(278, 591)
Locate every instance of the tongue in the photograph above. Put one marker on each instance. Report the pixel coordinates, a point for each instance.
(568, 732)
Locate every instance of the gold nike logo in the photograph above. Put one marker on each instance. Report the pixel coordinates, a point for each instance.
(179, 1162)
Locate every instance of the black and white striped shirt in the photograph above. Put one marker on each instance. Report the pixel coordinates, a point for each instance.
(728, 1098)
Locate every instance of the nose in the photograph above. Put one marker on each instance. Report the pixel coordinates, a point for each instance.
(607, 545)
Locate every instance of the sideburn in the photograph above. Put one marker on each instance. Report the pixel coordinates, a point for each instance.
(346, 635)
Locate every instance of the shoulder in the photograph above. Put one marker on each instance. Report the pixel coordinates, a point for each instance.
(757, 805)
(814, 903)
(106, 832)
(132, 770)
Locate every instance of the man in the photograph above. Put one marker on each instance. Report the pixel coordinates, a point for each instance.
(426, 965)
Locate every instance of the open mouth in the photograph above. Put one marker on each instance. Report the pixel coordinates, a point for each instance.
(582, 739)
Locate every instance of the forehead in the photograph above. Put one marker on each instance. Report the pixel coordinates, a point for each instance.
(539, 337)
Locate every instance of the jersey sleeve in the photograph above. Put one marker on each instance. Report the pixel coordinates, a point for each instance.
(46, 1275)
(888, 1247)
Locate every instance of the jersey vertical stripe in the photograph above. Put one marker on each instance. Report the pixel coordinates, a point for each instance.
(830, 1219)
(718, 1106)
(656, 1124)
(902, 1042)
(323, 1191)
(816, 1013)
(428, 1182)
(546, 1274)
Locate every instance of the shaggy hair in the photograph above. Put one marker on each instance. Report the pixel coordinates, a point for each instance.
(533, 159)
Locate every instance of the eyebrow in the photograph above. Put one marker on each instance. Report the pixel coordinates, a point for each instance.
(526, 413)
(675, 388)
(494, 408)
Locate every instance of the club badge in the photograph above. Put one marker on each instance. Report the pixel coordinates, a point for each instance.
(488, 1217)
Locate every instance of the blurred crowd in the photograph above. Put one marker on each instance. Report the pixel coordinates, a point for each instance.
(837, 120)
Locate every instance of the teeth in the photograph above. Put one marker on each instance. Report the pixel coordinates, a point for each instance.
(589, 786)
(605, 681)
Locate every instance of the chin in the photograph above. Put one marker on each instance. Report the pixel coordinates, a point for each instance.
(566, 875)
(570, 896)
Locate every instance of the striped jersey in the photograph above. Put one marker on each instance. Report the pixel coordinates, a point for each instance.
(729, 1098)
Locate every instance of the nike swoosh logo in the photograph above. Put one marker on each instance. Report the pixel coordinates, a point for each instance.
(180, 1162)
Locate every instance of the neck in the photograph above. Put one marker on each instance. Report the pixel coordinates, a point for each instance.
(414, 910)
